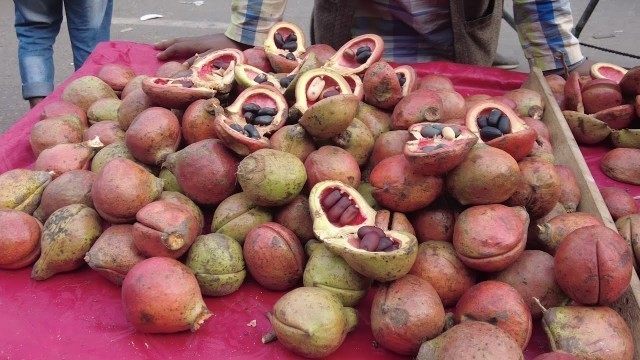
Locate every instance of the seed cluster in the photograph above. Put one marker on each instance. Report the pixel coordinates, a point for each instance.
(493, 125)
(256, 115)
(372, 238)
(290, 43)
(433, 131)
(362, 54)
(339, 208)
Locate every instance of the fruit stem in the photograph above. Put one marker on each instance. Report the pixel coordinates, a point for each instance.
(202, 316)
(173, 241)
(269, 337)
(544, 310)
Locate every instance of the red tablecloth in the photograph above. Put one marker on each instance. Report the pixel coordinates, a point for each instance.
(78, 315)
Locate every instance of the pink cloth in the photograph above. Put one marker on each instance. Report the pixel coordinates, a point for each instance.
(78, 315)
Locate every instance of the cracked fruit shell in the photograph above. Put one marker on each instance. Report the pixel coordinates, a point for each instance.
(342, 219)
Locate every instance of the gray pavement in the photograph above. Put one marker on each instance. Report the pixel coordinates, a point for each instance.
(613, 25)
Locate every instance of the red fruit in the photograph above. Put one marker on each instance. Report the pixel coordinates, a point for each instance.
(116, 75)
(205, 170)
(332, 163)
(593, 265)
(438, 263)
(490, 237)
(171, 69)
(118, 200)
(419, 106)
(600, 94)
(619, 202)
(60, 108)
(497, 303)
(405, 313)
(20, 239)
(435, 82)
(165, 229)
(434, 222)
(400, 187)
(274, 256)
(389, 143)
(381, 86)
(197, 122)
(552, 233)
(570, 194)
(153, 135)
(161, 295)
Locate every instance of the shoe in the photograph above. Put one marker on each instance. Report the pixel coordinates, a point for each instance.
(505, 62)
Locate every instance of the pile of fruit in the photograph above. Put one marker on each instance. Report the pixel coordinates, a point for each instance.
(333, 170)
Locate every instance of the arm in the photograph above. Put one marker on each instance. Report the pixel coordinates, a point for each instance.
(544, 28)
(250, 23)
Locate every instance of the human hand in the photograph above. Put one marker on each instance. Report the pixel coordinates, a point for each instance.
(190, 46)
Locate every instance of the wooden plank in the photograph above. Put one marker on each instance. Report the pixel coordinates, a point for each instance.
(567, 152)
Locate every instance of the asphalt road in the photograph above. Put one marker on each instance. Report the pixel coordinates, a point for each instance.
(613, 25)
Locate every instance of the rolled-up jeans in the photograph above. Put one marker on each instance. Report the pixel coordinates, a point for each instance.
(37, 24)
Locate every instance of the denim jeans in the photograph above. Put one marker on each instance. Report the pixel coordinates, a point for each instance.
(37, 24)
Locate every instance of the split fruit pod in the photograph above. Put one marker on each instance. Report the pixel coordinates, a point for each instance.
(593, 265)
(344, 221)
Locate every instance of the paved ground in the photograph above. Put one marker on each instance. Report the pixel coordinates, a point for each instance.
(613, 25)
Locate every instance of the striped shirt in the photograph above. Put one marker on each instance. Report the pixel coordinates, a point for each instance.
(420, 30)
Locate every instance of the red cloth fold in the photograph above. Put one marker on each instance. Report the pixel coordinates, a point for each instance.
(78, 315)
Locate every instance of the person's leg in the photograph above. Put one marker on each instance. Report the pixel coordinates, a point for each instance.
(89, 22)
(544, 28)
(37, 23)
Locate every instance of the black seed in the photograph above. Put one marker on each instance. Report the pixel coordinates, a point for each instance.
(267, 111)
(290, 56)
(494, 116)
(279, 40)
(362, 49)
(252, 131)
(237, 128)
(251, 107)
(482, 121)
(456, 130)
(439, 126)
(285, 81)
(504, 124)
(489, 133)
(401, 79)
(263, 120)
(220, 64)
(290, 45)
(430, 131)
(291, 37)
(249, 116)
(432, 147)
(363, 57)
(260, 78)
(329, 93)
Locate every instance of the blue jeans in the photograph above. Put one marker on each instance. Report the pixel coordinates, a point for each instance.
(37, 24)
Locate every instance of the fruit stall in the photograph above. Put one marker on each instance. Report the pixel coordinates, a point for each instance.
(78, 314)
